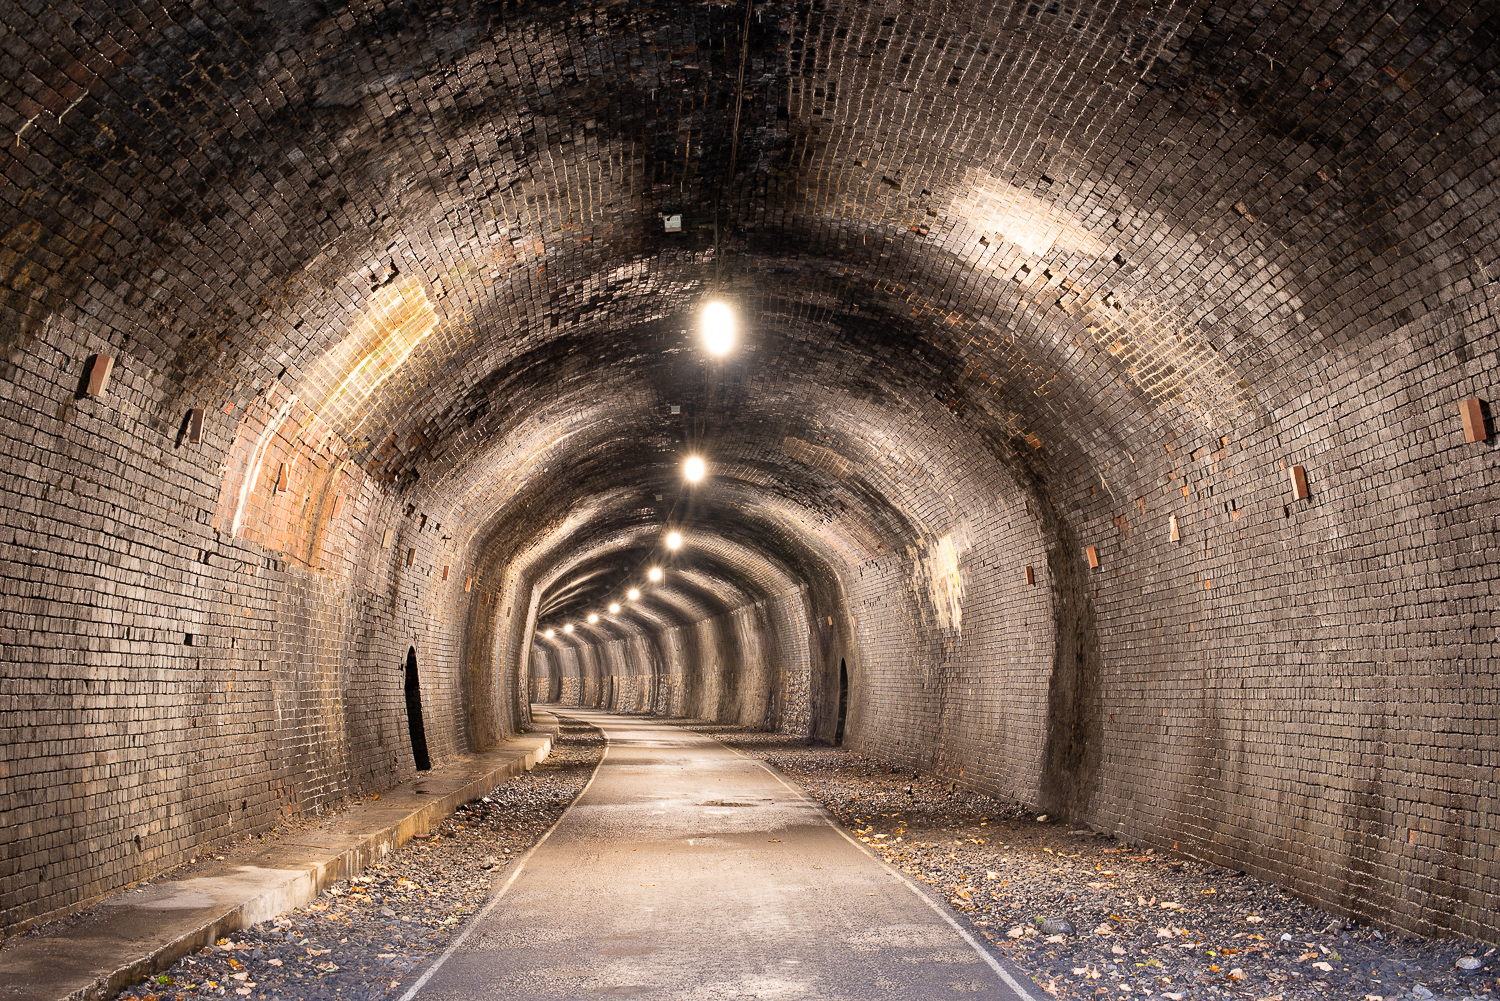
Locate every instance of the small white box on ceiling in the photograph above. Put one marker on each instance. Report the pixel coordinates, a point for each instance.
(673, 223)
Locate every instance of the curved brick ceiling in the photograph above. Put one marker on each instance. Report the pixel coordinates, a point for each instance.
(1062, 257)
(1074, 227)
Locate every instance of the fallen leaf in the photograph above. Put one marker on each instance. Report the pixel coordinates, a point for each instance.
(1015, 932)
(1236, 974)
(1104, 930)
(1255, 919)
(273, 962)
(1325, 967)
(1170, 905)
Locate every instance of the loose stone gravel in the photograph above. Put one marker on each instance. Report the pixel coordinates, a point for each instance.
(1088, 916)
(365, 937)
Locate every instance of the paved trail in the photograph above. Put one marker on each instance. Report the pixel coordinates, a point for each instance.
(688, 871)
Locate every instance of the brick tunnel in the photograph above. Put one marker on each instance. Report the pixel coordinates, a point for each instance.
(1103, 421)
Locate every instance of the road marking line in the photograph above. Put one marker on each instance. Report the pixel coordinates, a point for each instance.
(937, 908)
(515, 873)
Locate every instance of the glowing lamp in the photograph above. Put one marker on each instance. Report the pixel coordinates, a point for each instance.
(718, 328)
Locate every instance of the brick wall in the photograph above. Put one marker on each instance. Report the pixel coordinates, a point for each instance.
(749, 667)
(1018, 281)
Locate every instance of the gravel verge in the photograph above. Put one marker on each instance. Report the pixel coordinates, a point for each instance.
(367, 937)
(1090, 916)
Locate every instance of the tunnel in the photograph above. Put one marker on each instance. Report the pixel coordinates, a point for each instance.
(1092, 405)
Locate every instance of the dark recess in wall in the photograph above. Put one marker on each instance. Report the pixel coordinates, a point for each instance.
(414, 713)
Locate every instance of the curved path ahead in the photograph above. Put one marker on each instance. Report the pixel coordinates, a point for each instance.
(686, 870)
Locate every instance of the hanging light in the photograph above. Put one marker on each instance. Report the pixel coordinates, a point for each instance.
(674, 540)
(694, 469)
(614, 608)
(568, 628)
(655, 574)
(593, 617)
(550, 633)
(718, 328)
(633, 594)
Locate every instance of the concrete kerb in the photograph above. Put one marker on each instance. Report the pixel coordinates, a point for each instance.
(95, 960)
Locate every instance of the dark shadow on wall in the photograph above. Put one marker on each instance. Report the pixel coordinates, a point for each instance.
(1070, 757)
(414, 713)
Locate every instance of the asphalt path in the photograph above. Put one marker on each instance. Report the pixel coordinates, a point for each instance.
(687, 870)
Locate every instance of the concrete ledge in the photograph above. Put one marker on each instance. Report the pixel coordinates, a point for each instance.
(137, 932)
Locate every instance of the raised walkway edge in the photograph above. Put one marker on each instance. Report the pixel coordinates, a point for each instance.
(142, 930)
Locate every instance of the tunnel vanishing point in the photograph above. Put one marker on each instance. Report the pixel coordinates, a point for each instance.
(1094, 401)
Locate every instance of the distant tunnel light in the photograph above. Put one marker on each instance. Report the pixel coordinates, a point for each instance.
(568, 628)
(633, 594)
(550, 633)
(593, 617)
(718, 328)
(655, 573)
(614, 609)
(693, 469)
(674, 540)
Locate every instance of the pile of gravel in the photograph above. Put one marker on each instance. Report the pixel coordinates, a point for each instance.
(364, 937)
(1087, 915)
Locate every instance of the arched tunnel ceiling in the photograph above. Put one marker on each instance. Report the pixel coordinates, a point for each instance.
(1067, 229)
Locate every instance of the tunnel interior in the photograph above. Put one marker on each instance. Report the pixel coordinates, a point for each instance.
(1106, 425)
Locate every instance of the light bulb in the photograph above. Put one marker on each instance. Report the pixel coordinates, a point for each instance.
(655, 573)
(614, 609)
(549, 634)
(568, 628)
(593, 618)
(693, 469)
(633, 594)
(718, 328)
(674, 540)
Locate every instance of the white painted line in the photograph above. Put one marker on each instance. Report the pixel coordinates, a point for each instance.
(514, 874)
(900, 877)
